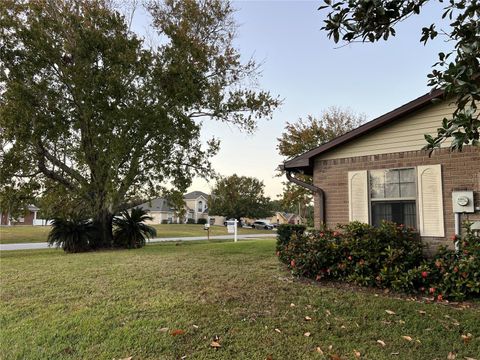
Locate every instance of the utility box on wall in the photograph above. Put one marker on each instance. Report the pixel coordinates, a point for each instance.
(463, 201)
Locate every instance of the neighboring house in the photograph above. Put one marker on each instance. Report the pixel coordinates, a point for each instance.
(197, 202)
(379, 172)
(28, 218)
(285, 218)
(162, 212)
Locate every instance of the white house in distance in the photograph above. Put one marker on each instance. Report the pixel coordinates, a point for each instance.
(196, 206)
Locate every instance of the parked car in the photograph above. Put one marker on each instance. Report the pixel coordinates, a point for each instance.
(262, 224)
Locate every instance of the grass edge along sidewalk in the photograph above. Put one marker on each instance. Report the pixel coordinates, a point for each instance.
(31, 234)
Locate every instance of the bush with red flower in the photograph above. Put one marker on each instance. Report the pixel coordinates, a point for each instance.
(388, 256)
(454, 274)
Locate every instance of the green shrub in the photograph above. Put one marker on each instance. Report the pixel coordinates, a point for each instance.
(72, 235)
(164, 221)
(130, 229)
(202, 221)
(190, 221)
(284, 235)
(452, 274)
(389, 256)
(359, 253)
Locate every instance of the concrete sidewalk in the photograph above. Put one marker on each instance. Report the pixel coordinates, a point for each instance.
(33, 246)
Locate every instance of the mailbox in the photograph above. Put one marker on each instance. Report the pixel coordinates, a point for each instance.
(206, 226)
(463, 202)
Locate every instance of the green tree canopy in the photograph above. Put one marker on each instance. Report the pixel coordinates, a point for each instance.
(238, 197)
(456, 72)
(87, 106)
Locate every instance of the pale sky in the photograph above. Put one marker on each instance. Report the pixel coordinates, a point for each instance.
(311, 73)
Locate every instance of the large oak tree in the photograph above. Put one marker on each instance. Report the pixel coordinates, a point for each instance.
(89, 110)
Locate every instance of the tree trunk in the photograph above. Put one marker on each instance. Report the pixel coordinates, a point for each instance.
(103, 226)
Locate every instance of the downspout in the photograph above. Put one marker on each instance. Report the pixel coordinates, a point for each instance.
(316, 190)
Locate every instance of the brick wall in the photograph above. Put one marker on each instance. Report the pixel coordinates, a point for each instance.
(460, 171)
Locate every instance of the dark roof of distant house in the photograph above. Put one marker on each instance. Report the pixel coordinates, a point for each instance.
(304, 163)
(158, 204)
(195, 195)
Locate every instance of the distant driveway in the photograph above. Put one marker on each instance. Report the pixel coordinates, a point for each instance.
(44, 245)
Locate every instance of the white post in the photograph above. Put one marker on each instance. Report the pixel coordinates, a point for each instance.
(235, 233)
(458, 231)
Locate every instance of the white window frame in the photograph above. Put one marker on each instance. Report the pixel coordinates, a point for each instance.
(416, 199)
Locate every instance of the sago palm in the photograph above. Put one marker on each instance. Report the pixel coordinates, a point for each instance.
(130, 229)
(72, 235)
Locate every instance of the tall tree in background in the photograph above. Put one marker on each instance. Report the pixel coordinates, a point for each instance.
(87, 106)
(456, 72)
(238, 197)
(304, 135)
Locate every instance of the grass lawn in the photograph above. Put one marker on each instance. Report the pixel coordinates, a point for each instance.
(25, 234)
(117, 304)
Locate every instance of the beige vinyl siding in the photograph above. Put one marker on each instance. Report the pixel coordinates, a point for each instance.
(405, 134)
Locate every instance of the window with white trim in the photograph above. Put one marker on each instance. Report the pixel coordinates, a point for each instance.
(410, 196)
(393, 196)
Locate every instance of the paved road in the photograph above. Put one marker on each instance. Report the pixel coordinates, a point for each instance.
(32, 246)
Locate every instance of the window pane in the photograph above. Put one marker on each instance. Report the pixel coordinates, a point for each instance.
(392, 191)
(407, 175)
(410, 214)
(391, 176)
(377, 182)
(407, 190)
(402, 212)
(381, 211)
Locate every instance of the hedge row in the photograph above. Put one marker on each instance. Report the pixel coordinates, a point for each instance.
(388, 256)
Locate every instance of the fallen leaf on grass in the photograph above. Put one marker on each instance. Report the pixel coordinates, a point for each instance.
(390, 312)
(308, 318)
(128, 358)
(421, 312)
(292, 305)
(215, 344)
(408, 338)
(330, 347)
(395, 353)
(269, 357)
(335, 357)
(451, 356)
(469, 358)
(195, 326)
(357, 354)
(163, 330)
(319, 350)
(328, 312)
(278, 331)
(381, 342)
(307, 334)
(467, 338)
(401, 322)
(177, 332)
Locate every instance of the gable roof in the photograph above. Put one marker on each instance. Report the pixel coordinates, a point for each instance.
(304, 162)
(195, 195)
(158, 204)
